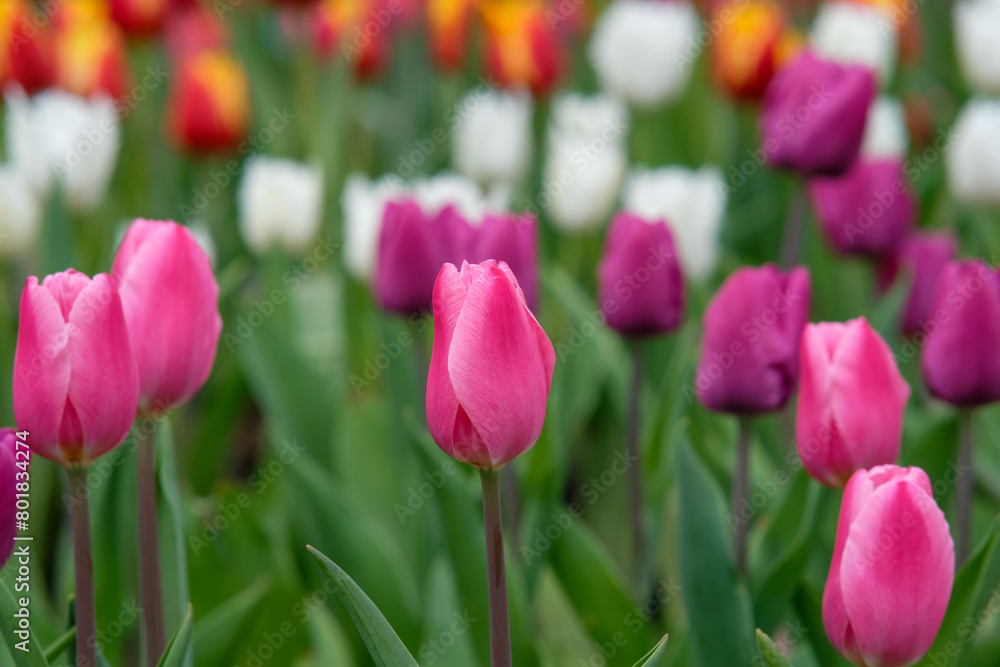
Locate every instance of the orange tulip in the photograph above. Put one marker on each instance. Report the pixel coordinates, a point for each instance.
(28, 56)
(745, 53)
(523, 48)
(448, 28)
(209, 106)
(359, 29)
(90, 48)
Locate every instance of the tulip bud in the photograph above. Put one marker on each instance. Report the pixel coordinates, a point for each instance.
(641, 289)
(20, 213)
(750, 351)
(491, 141)
(961, 358)
(977, 23)
(813, 115)
(892, 570)
(280, 204)
(27, 51)
(974, 153)
(209, 106)
(851, 401)
(76, 386)
(8, 491)
(139, 17)
(512, 239)
(866, 211)
(692, 201)
(923, 256)
(491, 367)
(856, 33)
(580, 185)
(410, 255)
(746, 52)
(171, 304)
(523, 48)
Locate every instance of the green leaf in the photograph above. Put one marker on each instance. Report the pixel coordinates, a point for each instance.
(35, 655)
(382, 642)
(447, 623)
(179, 645)
(219, 630)
(60, 645)
(332, 647)
(769, 652)
(715, 600)
(652, 659)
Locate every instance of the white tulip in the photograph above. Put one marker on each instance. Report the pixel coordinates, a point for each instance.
(853, 33)
(973, 157)
(363, 202)
(977, 26)
(492, 141)
(586, 160)
(643, 50)
(886, 134)
(692, 203)
(20, 215)
(280, 204)
(470, 201)
(58, 135)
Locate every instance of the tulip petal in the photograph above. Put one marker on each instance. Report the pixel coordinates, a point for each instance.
(104, 388)
(41, 369)
(500, 363)
(897, 573)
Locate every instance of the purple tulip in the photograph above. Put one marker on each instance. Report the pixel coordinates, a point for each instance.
(866, 211)
(750, 352)
(8, 490)
(512, 239)
(641, 285)
(923, 255)
(813, 115)
(961, 358)
(410, 255)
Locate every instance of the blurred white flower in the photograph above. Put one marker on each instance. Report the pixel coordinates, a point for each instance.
(643, 50)
(977, 27)
(472, 203)
(20, 215)
(854, 33)
(203, 237)
(586, 160)
(492, 141)
(58, 135)
(691, 201)
(886, 134)
(973, 157)
(280, 204)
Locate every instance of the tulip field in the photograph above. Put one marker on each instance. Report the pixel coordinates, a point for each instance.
(499, 333)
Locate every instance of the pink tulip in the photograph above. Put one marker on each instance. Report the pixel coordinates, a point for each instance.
(923, 255)
(491, 366)
(512, 239)
(813, 115)
(170, 298)
(411, 251)
(851, 401)
(750, 351)
(641, 285)
(892, 571)
(76, 386)
(8, 492)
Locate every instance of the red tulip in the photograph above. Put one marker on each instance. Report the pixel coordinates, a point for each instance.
(91, 51)
(491, 367)
(28, 56)
(523, 47)
(448, 31)
(640, 280)
(8, 490)
(170, 299)
(193, 30)
(750, 352)
(748, 48)
(851, 401)
(209, 106)
(892, 571)
(139, 17)
(358, 31)
(76, 387)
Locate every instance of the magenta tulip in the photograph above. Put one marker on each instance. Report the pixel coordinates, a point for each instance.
(866, 211)
(171, 304)
(641, 288)
(512, 239)
(8, 492)
(491, 366)
(750, 352)
(923, 256)
(813, 115)
(76, 386)
(851, 401)
(892, 571)
(410, 254)
(961, 358)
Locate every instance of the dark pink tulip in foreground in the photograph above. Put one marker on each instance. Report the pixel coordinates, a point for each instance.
(866, 211)
(961, 358)
(171, 304)
(491, 366)
(813, 115)
(892, 571)
(76, 387)
(851, 401)
(641, 288)
(750, 351)
(8, 493)
(512, 239)
(923, 255)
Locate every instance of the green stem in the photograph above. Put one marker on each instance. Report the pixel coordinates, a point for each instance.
(149, 552)
(741, 488)
(86, 625)
(965, 487)
(791, 247)
(496, 570)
